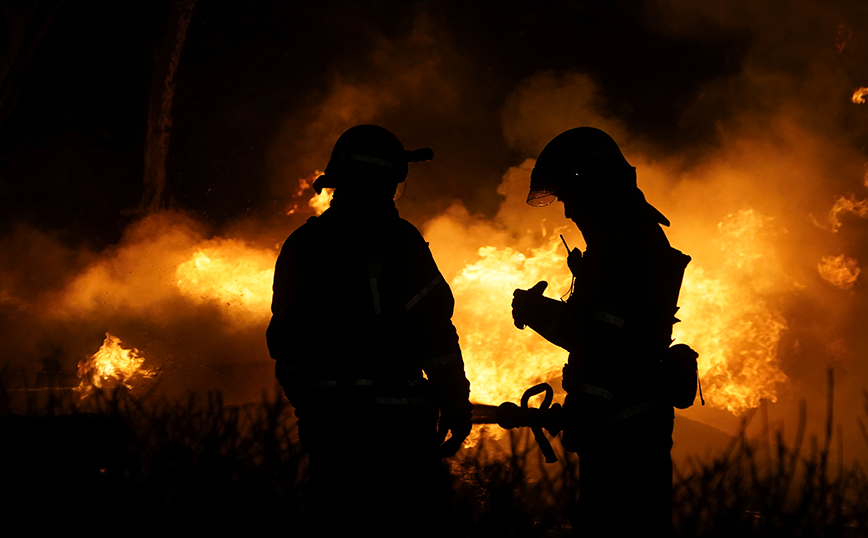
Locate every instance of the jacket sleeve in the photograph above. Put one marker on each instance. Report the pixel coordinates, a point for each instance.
(286, 331)
(429, 312)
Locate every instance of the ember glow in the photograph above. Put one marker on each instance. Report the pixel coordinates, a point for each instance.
(727, 318)
(231, 274)
(847, 205)
(502, 362)
(728, 310)
(112, 364)
(319, 202)
(840, 271)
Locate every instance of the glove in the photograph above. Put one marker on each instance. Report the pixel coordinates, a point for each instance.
(457, 423)
(526, 303)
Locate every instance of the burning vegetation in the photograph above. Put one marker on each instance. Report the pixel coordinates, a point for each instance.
(231, 274)
(758, 161)
(728, 310)
(726, 313)
(840, 271)
(753, 145)
(111, 365)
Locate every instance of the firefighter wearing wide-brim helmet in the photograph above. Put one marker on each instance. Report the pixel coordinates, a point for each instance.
(369, 159)
(617, 326)
(585, 169)
(366, 351)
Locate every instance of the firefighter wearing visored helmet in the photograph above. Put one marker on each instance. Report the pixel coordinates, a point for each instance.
(617, 326)
(360, 311)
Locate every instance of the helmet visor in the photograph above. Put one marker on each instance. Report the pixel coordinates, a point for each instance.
(540, 196)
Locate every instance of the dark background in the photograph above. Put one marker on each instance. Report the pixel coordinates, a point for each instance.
(75, 109)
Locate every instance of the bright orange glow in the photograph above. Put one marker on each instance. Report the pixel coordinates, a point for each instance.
(111, 364)
(842, 37)
(847, 205)
(840, 271)
(501, 361)
(726, 318)
(859, 95)
(231, 274)
(319, 202)
(731, 324)
(727, 309)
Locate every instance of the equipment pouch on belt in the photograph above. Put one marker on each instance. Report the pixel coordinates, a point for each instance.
(680, 375)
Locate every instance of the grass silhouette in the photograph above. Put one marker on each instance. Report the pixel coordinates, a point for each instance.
(145, 464)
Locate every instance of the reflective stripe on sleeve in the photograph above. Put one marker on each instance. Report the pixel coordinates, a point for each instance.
(403, 401)
(424, 292)
(631, 411)
(325, 384)
(373, 274)
(281, 367)
(440, 361)
(609, 318)
(596, 391)
(375, 292)
(331, 383)
(369, 159)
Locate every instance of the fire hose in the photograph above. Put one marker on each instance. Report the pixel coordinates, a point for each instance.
(509, 415)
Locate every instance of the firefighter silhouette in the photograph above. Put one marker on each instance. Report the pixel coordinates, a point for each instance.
(622, 378)
(360, 310)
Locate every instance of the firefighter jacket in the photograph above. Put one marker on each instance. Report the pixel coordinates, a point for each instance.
(360, 309)
(617, 324)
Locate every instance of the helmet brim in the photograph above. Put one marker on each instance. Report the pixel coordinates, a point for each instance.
(323, 182)
(540, 197)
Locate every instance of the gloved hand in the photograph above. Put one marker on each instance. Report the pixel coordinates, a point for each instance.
(459, 424)
(525, 303)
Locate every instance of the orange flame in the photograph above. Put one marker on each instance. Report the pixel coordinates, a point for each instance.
(842, 37)
(502, 362)
(111, 364)
(319, 202)
(848, 205)
(859, 95)
(840, 271)
(232, 274)
(728, 320)
(727, 313)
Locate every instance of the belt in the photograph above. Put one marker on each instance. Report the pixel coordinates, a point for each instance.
(333, 383)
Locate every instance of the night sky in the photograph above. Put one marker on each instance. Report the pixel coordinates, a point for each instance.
(73, 140)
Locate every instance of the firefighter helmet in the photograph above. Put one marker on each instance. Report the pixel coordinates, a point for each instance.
(585, 162)
(585, 158)
(368, 155)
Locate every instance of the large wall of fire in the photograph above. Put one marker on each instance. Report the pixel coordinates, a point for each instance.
(753, 145)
